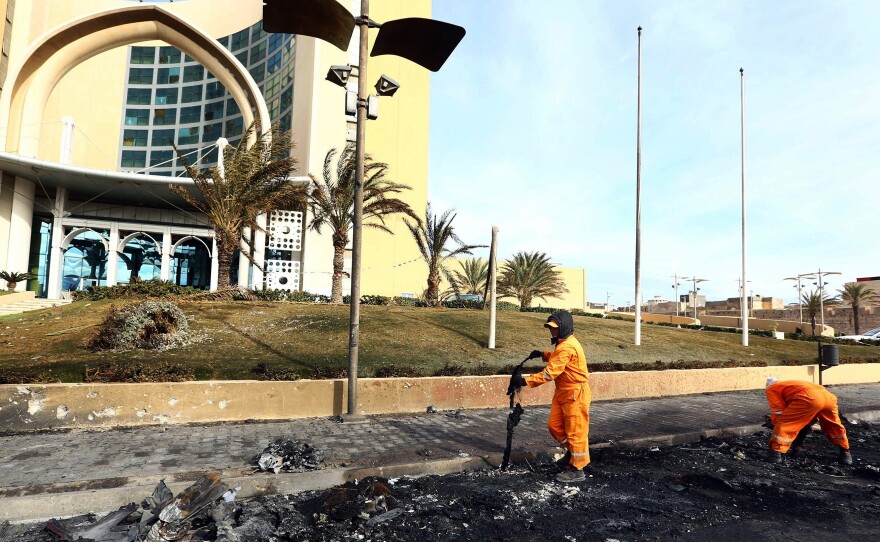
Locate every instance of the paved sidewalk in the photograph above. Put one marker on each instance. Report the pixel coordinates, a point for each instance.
(34, 463)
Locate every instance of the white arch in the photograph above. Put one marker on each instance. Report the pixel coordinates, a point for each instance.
(75, 233)
(61, 49)
(180, 241)
(129, 237)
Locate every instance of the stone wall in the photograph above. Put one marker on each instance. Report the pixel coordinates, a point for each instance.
(839, 317)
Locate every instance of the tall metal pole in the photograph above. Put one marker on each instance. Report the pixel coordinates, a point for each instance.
(677, 302)
(800, 302)
(821, 301)
(744, 309)
(493, 280)
(355, 304)
(638, 302)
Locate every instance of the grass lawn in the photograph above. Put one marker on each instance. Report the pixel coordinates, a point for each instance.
(230, 338)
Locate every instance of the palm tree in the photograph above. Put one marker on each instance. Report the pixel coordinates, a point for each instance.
(255, 181)
(855, 295)
(472, 277)
(432, 238)
(813, 302)
(331, 204)
(530, 275)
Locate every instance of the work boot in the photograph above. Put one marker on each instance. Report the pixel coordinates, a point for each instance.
(844, 457)
(571, 474)
(565, 460)
(775, 458)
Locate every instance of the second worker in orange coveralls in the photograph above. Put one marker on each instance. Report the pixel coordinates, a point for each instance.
(569, 420)
(795, 405)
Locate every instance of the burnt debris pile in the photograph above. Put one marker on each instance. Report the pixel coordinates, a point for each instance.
(290, 456)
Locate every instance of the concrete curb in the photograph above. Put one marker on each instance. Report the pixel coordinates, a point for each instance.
(40, 503)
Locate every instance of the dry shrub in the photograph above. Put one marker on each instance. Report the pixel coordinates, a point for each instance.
(152, 325)
(262, 371)
(399, 371)
(451, 370)
(329, 373)
(26, 376)
(659, 365)
(139, 372)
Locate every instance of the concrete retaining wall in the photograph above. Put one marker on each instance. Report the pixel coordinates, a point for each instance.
(657, 318)
(54, 406)
(766, 324)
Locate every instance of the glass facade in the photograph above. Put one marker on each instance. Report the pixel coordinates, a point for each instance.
(191, 265)
(161, 80)
(140, 258)
(85, 261)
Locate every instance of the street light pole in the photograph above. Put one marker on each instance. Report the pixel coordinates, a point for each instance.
(357, 227)
(675, 285)
(742, 117)
(638, 304)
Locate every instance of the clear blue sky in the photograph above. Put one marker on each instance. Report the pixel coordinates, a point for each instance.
(533, 128)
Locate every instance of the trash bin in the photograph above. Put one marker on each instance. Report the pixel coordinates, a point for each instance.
(830, 355)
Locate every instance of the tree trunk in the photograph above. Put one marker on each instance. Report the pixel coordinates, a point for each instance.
(224, 264)
(525, 301)
(339, 242)
(856, 318)
(432, 295)
(813, 322)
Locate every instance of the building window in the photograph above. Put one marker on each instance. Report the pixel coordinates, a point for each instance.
(134, 138)
(166, 96)
(242, 57)
(232, 108)
(164, 117)
(168, 76)
(163, 138)
(214, 111)
(134, 158)
(258, 52)
(137, 117)
(214, 90)
(212, 132)
(211, 157)
(275, 42)
(234, 127)
(193, 73)
(190, 114)
(286, 98)
(285, 122)
(257, 32)
(169, 55)
(188, 136)
(272, 87)
(287, 75)
(224, 41)
(138, 96)
(143, 55)
(274, 63)
(140, 76)
(191, 94)
(273, 108)
(161, 158)
(189, 155)
(258, 72)
(240, 39)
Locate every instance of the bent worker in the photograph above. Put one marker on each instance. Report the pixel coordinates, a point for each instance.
(569, 420)
(794, 406)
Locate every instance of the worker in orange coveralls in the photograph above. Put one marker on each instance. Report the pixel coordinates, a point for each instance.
(569, 421)
(795, 405)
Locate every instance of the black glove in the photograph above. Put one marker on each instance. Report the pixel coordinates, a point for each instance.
(536, 354)
(767, 423)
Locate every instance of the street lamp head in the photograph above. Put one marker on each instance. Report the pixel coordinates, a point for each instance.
(386, 86)
(338, 75)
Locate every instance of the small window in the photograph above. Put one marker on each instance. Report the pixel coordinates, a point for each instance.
(191, 94)
(257, 32)
(138, 96)
(166, 96)
(286, 98)
(214, 111)
(143, 55)
(190, 114)
(169, 55)
(189, 155)
(212, 132)
(140, 76)
(224, 41)
(137, 117)
(258, 52)
(188, 58)
(242, 57)
(134, 159)
(134, 138)
(161, 158)
(285, 122)
(168, 76)
(273, 108)
(287, 75)
(275, 42)
(193, 73)
(210, 157)
(240, 39)
(188, 136)
(163, 138)
(258, 72)
(272, 86)
(232, 108)
(234, 127)
(214, 90)
(164, 117)
(274, 63)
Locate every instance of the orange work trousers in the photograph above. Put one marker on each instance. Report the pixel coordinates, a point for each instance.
(569, 421)
(802, 410)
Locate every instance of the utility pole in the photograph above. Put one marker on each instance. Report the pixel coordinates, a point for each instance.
(493, 275)
(744, 303)
(638, 302)
(676, 285)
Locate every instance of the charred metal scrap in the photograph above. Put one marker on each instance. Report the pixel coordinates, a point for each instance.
(289, 455)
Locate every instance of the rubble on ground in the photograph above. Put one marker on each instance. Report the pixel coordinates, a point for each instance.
(718, 488)
(290, 456)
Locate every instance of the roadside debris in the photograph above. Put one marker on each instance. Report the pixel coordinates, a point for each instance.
(290, 456)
